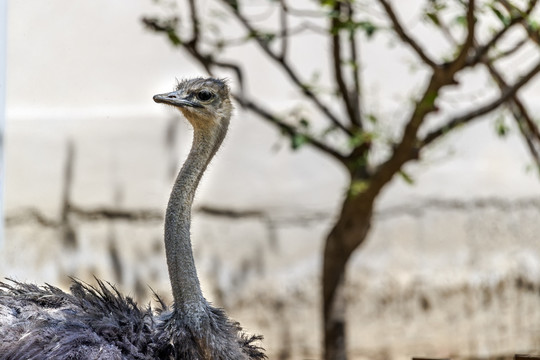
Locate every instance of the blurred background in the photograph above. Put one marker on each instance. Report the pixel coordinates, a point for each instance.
(450, 267)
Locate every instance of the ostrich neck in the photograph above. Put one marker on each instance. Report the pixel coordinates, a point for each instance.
(182, 272)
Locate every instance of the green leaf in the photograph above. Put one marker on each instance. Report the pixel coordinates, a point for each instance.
(357, 187)
(533, 24)
(307, 87)
(352, 64)
(220, 44)
(174, 38)
(233, 4)
(429, 100)
(372, 118)
(504, 19)
(437, 5)
(461, 20)
(408, 179)
(500, 127)
(434, 18)
(368, 27)
(360, 138)
(297, 140)
(265, 37)
(330, 3)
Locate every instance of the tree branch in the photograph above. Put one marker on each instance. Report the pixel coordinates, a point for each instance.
(286, 67)
(289, 32)
(517, 17)
(355, 96)
(446, 32)
(337, 61)
(195, 23)
(208, 63)
(410, 146)
(509, 51)
(400, 31)
(460, 60)
(404, 150)
(526, 125)
(287, 128)
(534, 35)
(284, 28)
(465, 118)
(524, 120)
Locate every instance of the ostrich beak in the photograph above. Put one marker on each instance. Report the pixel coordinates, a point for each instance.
(175, 99)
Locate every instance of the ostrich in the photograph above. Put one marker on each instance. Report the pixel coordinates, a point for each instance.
(97, 322)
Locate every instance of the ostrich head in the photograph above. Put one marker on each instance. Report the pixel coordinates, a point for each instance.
(204, 102)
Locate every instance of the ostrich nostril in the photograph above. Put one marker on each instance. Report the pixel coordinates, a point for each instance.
(171, 96)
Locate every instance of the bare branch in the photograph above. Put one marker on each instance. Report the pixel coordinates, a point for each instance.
(209, 63)
(529, 133)
(469, 39)
(337, 61)
(528, 128)
(289, 32)
(355, 95)
(509, 51)
(506, 95)
(481, 51)
(287, 128)
(530, 125)
(400, 31)
(409, 146)
(405, 150)
(286, 67)
(195, 23)
(517, 16)
(518, 108)
(535, 154)
(237, 70)
(206, 59)
(447, 33)
(267, 115)
(534, 35)
(284, 28)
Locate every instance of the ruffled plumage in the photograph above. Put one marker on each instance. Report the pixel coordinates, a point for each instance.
(44, 322)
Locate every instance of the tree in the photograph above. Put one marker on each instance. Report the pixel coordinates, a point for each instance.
(477, 36)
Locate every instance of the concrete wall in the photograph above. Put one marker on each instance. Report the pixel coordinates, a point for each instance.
(452, 265)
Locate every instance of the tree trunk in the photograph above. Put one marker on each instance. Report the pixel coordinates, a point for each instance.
(349, 232)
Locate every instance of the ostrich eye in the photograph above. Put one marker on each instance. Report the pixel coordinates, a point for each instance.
(204, 95)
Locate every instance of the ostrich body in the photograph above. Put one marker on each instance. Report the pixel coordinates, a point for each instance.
(43, 322)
